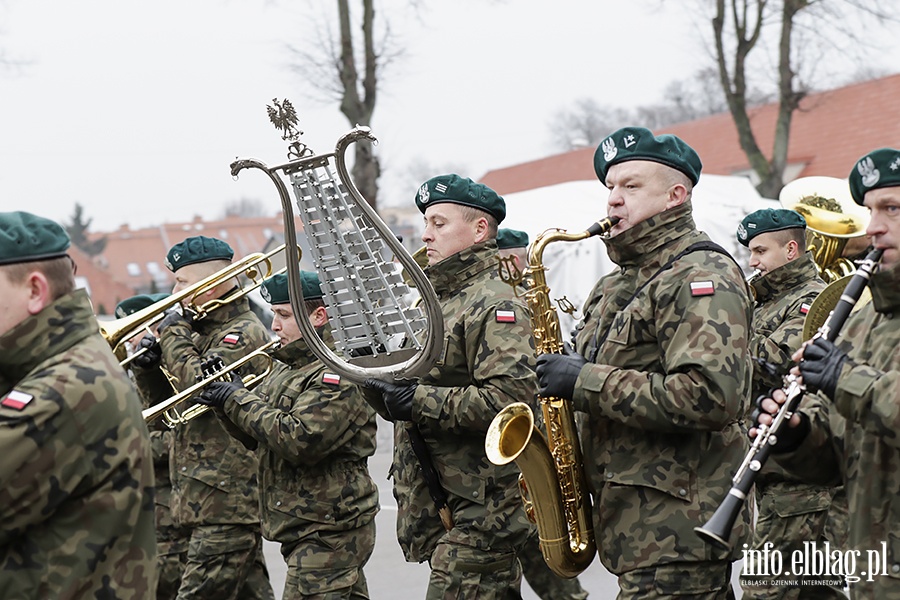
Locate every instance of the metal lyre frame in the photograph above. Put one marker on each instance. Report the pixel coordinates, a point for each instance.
(363, 291)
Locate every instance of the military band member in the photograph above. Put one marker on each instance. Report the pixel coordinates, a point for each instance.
(153, 387)
(790, 512)
(487, 364)
(662, 371)
(514, 243)
(76, 477)
(848, 430)
(214, 484)
(315, 434)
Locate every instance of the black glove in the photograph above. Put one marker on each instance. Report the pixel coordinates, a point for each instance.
(150, 353)
(216, 393)
(821, 366)
(557, 374)
(398, 399)
(172, 317)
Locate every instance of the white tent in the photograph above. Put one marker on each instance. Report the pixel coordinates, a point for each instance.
(719, 202)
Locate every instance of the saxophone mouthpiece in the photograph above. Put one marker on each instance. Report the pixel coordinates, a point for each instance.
(603, 225)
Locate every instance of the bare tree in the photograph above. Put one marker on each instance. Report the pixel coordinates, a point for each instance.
(585, 123)
(740, 27)
(244, 207)
(347, 67)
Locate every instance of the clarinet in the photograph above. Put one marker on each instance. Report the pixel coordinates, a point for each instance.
(718, 529)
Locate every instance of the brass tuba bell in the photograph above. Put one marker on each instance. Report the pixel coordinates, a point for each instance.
(832, 218)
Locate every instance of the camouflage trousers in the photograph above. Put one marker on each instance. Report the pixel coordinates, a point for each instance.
(544, 582)
(171, 556)
(790, 514)
(687, 581)
(329, 565)
(225, 562)
(463, 572)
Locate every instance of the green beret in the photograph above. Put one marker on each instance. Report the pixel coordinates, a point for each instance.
(25, 237)
(197, 249)
(275, 289)
(129, 306)
(768, 220)
(638, 143)
(460, 190)
(877, 169)
(511, 238)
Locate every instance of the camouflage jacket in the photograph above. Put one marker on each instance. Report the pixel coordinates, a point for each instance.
(858, 435)
(665, 397)
(315, 435)
(783, 297)
(76, 479)
(487, 363)
(213, 475)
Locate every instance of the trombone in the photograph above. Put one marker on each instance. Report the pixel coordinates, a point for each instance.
(173, 418)
(256, 267)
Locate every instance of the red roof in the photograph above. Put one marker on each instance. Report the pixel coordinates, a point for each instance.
(829, 132)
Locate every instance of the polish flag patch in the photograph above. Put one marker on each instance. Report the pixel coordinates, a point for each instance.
(331, 378)
(17, 400)
(231, 338)
(505, 316)
(702, 288)
(804, 308)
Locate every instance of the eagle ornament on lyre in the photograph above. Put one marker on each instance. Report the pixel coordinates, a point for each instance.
(363, 290)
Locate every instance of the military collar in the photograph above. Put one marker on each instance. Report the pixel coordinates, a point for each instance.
(298, 353)
(222, 314)
(646, 239)
(885, 287)
(785, 278)
(465, 264)
(58, 327)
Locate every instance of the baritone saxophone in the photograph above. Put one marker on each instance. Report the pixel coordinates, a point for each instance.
(552, 482)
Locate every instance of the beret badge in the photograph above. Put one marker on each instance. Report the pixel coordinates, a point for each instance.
(609, 149)
(423, 194)
(870, 175)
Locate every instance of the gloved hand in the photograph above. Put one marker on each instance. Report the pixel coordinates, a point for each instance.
(150, 355)
(821, 366)
(557, 374)
(398, 399)
(172, 317)
(218, 392)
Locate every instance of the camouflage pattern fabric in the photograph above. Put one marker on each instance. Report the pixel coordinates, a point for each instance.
(171, 540)
(686, 581)
(225, 562)
(487, 363)
(789, 512)
(544, 582)
(315, 434)
(858, 435)
(214, 485)
(76, 479)
(666, 395)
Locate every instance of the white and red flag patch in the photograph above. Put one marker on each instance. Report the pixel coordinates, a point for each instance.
(505, 316)
(804, 308)
(17, 400)
(702, 288)
(331, 378)
(231, 338)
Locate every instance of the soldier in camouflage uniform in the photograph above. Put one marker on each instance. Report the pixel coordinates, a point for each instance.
(76, 477)
(848, 430)
(214, 485)
(153, 387)
(662, 372)
(487, 363)
(789, 512)
(542, 580)
(315, 434)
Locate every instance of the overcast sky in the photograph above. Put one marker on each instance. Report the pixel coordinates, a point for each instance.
(135, 109)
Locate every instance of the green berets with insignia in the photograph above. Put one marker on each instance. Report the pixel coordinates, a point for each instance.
(877, 169)
(767, 220)
(460, 190)
(275, 289)
(197, 249)
(129, 306)
(25, 237)
(638, 143)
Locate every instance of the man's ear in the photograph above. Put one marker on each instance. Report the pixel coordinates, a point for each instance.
(318, 317)
(481, 229)
(677, 194)
(39, 296)
(793, 249)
